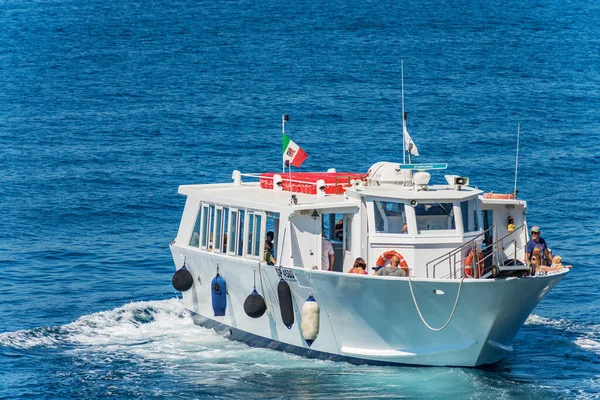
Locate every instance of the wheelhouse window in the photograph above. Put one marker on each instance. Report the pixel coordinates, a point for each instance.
(434, 217)
(470, 216)
(390, 217)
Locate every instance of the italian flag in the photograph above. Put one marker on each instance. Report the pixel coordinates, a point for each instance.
(292, 152)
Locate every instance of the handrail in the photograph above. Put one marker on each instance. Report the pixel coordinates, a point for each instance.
(497, 253)
(452, 253)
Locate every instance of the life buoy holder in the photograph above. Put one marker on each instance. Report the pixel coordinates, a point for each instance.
(469, 264)
(386, 256)
(499, 196)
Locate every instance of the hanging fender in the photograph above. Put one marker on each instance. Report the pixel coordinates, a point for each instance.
(219, 295)
(310, 320)
(254, 305)
(182, 279)
(285, 303)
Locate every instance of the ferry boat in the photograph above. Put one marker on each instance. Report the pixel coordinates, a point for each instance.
(466, 290)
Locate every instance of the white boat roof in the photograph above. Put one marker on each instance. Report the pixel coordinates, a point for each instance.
(252, 195)
(433, 192)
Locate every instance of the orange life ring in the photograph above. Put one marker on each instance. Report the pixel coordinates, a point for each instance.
(386, 256)
(469, 264)
(501, 196)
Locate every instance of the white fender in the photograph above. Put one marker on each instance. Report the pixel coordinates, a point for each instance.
(310, 320)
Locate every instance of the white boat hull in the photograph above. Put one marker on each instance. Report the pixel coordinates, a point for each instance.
(367, 318)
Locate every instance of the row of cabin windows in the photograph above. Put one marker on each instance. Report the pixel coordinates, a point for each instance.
(223, 230)
(390, 217)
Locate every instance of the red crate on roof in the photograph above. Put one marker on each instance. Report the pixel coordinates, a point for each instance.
(306, 182)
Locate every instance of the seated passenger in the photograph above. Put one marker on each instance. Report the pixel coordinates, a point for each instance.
(392, 269)
(536, 261)
(557, 265)
(360, 267)
(537, 243)
(268, 257)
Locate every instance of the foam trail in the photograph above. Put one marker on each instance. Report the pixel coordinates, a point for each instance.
(126, 326)
(588, 336)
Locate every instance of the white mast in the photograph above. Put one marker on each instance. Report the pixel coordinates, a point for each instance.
(403, 121)
(517, 160)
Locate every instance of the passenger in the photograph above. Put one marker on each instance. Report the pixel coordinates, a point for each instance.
(327, 254)
(536, 261)
(268, 257)
(511, 224)
(269, 241)
(537, 242)
(392, 269)
(360, 267)
(557, 262)
(339, 230)
(557, 265)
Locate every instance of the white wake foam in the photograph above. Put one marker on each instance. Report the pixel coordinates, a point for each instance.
(137, 323)
(537, 320)
(588, 343)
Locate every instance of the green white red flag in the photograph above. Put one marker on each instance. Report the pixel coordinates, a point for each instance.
(292, 152)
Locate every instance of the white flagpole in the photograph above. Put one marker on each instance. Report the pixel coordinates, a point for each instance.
(282, 133)
(517, 161)
(403, 123)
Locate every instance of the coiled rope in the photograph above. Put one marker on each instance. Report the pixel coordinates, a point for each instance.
(419, 311)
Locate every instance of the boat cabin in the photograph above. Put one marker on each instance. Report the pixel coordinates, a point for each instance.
(433, 227)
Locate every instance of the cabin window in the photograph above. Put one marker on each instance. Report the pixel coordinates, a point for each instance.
(220, 231)
(234, 223)
(195, 239)
(390, 217)
(434, 217)
(469, 216)
(223, 247)
(254, 230)
(218, 228)
(272, 226)
(206, 224)
(240, 243)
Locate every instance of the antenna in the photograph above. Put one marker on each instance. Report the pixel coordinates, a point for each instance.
(403, 121)
(517, 160)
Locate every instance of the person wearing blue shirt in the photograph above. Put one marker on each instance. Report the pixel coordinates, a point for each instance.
(537, 242)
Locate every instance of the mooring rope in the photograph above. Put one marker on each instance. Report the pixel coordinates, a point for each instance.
(419, 311)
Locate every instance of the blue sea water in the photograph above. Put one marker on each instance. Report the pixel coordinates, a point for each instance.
(107, 106)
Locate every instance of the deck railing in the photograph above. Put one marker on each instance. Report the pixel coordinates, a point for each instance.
(493, 255)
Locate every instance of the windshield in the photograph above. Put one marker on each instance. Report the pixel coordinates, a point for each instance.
(434, 217)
